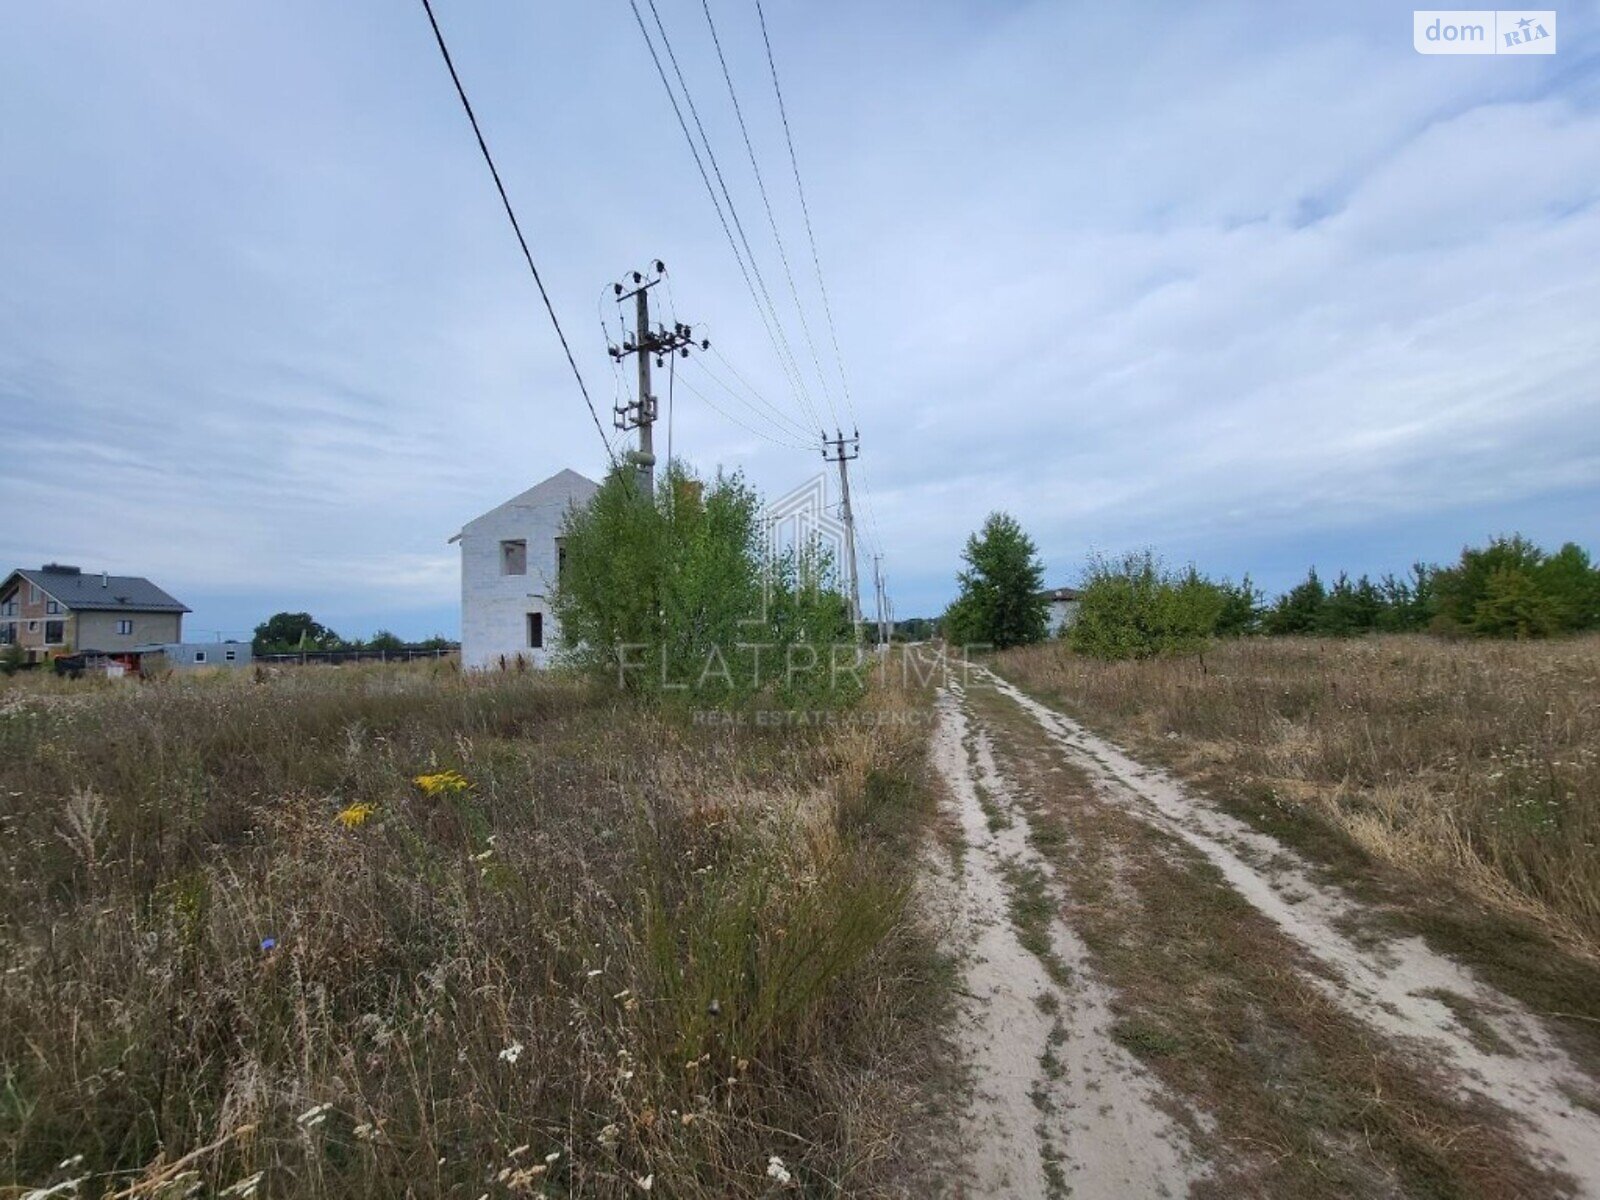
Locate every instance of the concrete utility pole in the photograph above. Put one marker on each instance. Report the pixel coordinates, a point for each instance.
(647, 343)
(882, 597)
(841, 450)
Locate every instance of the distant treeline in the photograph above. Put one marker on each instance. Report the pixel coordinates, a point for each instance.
(1511, 588)
(300, 633)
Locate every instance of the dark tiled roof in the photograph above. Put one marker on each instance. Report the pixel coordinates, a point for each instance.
(102, 593)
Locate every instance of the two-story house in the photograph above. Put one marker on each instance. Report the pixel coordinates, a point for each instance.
(510, 560)
(58, 609)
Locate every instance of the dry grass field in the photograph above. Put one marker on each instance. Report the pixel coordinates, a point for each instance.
(1457, 782)
(397, 931)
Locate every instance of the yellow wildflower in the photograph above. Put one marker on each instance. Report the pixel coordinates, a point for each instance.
(356, 815)
(443, 783)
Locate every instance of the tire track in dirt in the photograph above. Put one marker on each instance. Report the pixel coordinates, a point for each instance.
(1395, 987)
(1059, 1108)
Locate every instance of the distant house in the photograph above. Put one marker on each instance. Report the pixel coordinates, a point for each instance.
(1064, 605)
(511, 557)
(58, 609)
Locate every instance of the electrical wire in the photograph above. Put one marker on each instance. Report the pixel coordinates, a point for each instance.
(766, 203)
(717, 408)
(768, 314)
(516, 227)
(792, 432)
(816, 262)
(753, 399)
(805, 211)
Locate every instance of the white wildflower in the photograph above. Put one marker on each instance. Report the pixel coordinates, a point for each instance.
(645, 1184)
(778, 1172)
(511, 1053)
(609, 1136)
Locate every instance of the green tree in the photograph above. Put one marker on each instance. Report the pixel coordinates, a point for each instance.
(672, 596)
(1241, 608)
(1406, 604)
(1463, 587)
(384, 640)
(1299, 610)
(285, 632)
(1001, 602)
(1349, 608)
(1572, 585)
(1512, 605)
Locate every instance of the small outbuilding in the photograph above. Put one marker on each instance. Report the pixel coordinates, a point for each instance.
(186, 655)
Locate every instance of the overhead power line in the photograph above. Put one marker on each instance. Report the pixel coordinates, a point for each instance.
(749, 268)
(760, 408)
(805, 211)
(516, 227)
(715, 407)
(766, 202)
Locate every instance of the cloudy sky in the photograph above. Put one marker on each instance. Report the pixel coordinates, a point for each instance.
(1257, 286)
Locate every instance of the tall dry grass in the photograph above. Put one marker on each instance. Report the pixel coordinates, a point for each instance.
(633, 954)
(1472, 764)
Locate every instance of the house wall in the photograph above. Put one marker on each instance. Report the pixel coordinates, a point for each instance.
(495, 606)
(98, 630)
(1063, 614)
(36, 613)
(198, 654)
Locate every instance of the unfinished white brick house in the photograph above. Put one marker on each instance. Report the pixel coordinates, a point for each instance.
(510, 561)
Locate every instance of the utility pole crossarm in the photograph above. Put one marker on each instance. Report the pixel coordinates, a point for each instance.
(843, 450)
(658, 343)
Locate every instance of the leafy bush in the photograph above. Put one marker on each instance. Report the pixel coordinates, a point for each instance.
(673, 597)
(1132, 608)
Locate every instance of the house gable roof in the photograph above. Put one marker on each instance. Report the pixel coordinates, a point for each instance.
(99, 593)
(563, 487)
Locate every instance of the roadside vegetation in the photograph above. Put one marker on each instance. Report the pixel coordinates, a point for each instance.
(1455, 783)
(385, 931)
(1134, 607)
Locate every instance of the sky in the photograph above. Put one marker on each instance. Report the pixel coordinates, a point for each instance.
(1256, 286)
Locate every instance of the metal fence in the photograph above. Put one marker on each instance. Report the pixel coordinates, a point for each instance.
(338, 657)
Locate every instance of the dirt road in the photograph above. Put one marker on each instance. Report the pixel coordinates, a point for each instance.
(1163, 1002)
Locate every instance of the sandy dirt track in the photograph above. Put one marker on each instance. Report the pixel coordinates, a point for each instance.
(1058, 1104)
